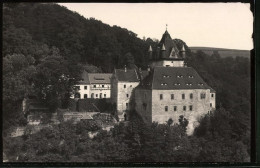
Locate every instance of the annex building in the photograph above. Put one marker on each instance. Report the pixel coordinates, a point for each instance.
(93, 85)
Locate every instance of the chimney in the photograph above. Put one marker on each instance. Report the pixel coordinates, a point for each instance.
(125, 68)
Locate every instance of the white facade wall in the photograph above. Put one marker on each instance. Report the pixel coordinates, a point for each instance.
(82, 91)
(168, 63)
(100, 91)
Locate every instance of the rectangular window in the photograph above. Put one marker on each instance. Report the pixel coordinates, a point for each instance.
(166, 108)
(203, 95)
(127, 105)
(85, 96)
(124, 86)
(183, 96)
(161, 96)
(184, 108)
(102, 86)
(94, 86)
(96, 95)
(210, 104)
(190, 107)
(127, 95)
(130, 85)
(85, 87)
(172, 96)
(144, 106)
(175, 108)
(191, 96)
(105, 95)
(212, 95)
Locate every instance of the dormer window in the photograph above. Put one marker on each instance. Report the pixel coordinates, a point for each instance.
(188, 84)
(177, 84)
(190, 76)
(180, 76)
(200, 84)
(166, 76)
(163, 84)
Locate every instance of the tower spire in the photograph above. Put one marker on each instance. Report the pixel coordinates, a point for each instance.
(166, 26)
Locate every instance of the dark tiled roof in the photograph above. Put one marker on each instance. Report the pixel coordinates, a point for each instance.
(99, 78)
(174, 78)
(85, 79)
(130, 75)
(169, 45)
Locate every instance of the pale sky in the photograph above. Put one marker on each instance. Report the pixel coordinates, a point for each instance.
(220, 25)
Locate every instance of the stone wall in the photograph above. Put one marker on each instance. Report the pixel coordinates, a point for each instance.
(200, 107)
(122, 92)
(144, 98)
(114, 89)
(213, 100)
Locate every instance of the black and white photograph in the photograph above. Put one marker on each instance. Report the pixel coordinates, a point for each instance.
(127, 82)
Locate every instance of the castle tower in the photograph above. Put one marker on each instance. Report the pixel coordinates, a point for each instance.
(168, 54)
(183, 52)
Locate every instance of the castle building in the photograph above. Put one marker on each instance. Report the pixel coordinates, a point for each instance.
(94, 85)
(123, 82)
(172, 89)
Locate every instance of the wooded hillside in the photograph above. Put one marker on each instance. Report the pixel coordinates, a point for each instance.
(45, 48)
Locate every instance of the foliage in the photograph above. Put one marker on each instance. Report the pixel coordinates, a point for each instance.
(45, 48)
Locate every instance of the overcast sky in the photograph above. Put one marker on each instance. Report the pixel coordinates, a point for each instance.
(221, 25)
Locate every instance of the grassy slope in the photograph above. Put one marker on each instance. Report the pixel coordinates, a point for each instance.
(223, 52)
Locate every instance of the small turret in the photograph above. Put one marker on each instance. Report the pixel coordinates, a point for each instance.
(150, 51)
(163, 50)
(183, 51)
(163, 47)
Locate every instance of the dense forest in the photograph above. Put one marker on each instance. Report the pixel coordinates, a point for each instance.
(45, 49)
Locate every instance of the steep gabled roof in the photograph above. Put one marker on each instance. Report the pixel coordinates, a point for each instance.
(98, 78)
(130, 75)
(174, 78)
(168, 48)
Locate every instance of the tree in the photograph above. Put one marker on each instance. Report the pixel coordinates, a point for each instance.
(54, 79)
